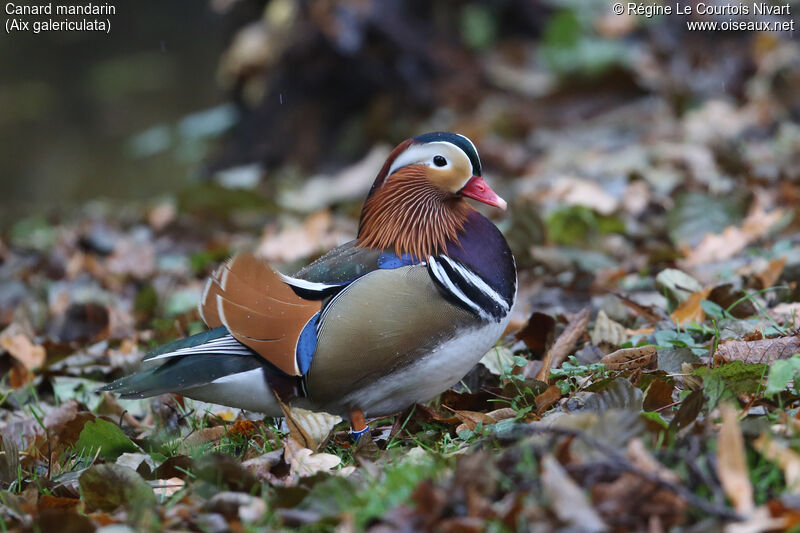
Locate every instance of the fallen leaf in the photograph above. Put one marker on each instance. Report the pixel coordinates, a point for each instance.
(618, 394)
(498, 360)
(758, 351)
(731, 462)
(21, 348)
(561, 348)
(787, 459)
(538, 332)
(103, 438)
(733, 239)
(547, 399)
(165, 488)
(770, 275)
(676, 285)
(106, 487)
(657, 395)
(567, 499)
(303, 462)
(308, 428)
(630, 358)
(471, 419)
(607, 332)
(202, 436)
(690, 310)
(632, 501)
(245, 507)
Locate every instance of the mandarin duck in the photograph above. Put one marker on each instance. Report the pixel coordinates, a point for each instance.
(394, 317)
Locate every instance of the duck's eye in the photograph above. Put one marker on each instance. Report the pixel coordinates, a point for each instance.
(439, 161)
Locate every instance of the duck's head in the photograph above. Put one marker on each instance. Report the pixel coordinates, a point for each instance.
(417, 203)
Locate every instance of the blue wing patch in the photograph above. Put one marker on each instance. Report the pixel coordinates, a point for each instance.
(389, 260)
(307, 344)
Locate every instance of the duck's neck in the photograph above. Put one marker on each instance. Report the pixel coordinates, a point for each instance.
(410, 215)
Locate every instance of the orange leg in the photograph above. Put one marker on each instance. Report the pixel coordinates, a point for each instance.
(357, 423)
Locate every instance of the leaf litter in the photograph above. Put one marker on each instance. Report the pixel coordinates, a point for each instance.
(648, 378)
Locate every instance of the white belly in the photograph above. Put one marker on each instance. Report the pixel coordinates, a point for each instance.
(429, 376)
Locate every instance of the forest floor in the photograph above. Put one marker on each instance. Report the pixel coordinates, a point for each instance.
(646, 382)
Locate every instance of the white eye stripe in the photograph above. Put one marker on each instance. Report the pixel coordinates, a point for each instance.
(423, 154)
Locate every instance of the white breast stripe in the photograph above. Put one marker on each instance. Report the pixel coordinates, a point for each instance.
(224, 345)
(478, 282)
(452, 289)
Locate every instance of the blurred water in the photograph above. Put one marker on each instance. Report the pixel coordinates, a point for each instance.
(125, 116)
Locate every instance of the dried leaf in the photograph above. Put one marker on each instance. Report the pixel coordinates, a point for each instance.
(770, 275)
(303, 462)
(106, 487)
(471, 419)
(759, 351)
(732, 240)
(568, 500)
(688, 411)
(560, 349)
(538, 332)
(165, 488)
(21, 348)
(498, 360)
(658, 395)
(547, 399)
(607, 332)
(787, 459)
(308, 428)
(619, 394)
(630, 358)
(202, 436)
(732, 463)
(690, 310)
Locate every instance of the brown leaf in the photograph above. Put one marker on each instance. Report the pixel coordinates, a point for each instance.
(560, 349)
(658, 395)
(758, 351)
(723, 246)
(472, 418)
(770, 275)
(650, 313)
(631, 501)
(308, 428)
(547, 399)
(690, 310)
(630, 358)
(726, 295)
(23, 350)
(731, 462)
(538, 332)
(201, 436)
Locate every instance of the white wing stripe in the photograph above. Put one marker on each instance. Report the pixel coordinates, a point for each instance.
(223, 345)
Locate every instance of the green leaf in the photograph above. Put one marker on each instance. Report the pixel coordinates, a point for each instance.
(712, 309)
(728, 381)
(106, 437)
(781, 373)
